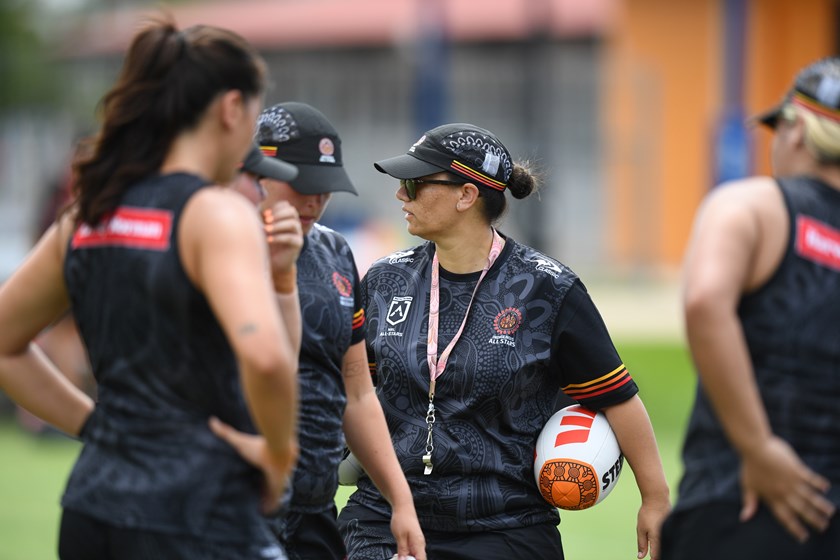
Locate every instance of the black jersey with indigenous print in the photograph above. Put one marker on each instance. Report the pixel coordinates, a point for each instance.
(532, 331)
(333, 320)
(163, 367)
(790, 325)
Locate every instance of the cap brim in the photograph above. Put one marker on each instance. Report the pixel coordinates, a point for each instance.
(769, 118)
(406, 166)
(273, 169)
(322, 179)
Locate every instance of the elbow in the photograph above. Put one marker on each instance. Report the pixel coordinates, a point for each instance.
(272, 365)
(702, 306)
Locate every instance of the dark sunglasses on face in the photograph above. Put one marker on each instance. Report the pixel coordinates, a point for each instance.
(410, 185)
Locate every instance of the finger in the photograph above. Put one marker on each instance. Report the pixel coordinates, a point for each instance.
(818, 482)
(234, 438)
(284, 240)
(221, 429)
(418, 546)
(402, 551)
(654, 549)
(641, 543)
(749, 505)
(817, 511)
(274, 229)
(790, 522)
(282, 211)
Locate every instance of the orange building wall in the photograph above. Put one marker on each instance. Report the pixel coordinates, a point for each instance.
(784, 36)
(662, 67)
(663, 93)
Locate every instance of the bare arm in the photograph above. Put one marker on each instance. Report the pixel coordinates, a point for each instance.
(30, 300)
(285, 240)
(725, 248)
(368, 437)
(631, 424)
(224, 253)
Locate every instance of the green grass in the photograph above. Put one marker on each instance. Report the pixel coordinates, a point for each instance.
(33, 471)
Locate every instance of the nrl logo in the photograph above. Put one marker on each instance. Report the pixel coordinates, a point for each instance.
(398, 310)
(547, 266)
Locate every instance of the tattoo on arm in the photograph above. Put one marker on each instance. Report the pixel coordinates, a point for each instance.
(247, 328)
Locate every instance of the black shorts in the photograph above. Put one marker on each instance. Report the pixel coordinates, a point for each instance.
(85, 538)
(714, 531)
(367, 536)
(310, 536)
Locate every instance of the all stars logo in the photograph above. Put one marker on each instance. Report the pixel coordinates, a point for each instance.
(342, 284)
(398, 310)
(506, 323)
(344, 288)
(397, 313)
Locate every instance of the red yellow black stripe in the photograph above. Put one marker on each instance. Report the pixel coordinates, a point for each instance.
(358, 319)
(480, 177)
(815, 107)
(604, 384)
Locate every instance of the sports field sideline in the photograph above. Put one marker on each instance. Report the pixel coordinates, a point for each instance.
(33, 470)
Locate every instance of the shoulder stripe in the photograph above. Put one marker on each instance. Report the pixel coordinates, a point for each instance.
(358, 319)
(614, 372)
(599, 386)
(579, 396)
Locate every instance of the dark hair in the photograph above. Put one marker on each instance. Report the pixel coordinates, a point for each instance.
(168, 79)
(523, 181)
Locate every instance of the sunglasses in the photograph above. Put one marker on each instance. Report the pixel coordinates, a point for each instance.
(410, 185)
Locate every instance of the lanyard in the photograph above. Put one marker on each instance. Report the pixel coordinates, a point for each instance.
(438, 364)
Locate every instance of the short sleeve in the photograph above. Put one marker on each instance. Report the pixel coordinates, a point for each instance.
(362, 295)
(591, 371)
(359, 325)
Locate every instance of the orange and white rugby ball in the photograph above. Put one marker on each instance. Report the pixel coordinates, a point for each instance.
(578, 460)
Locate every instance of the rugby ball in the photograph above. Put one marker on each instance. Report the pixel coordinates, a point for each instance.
(577, 459)
(349, 470)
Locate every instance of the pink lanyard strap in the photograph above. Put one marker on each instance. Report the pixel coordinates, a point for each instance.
(437, 365)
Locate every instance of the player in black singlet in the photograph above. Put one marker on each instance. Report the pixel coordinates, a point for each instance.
(514, 328)
(167, 278)
(762, 299)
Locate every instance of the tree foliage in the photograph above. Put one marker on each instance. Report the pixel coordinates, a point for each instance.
(26, 75)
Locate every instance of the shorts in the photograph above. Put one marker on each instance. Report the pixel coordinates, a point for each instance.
(367, 536)
(84, 538)
(310, 536)
(714, 531)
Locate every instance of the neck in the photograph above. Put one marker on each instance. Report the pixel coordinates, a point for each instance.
(194, 153)
(465, 254)
(830, 175)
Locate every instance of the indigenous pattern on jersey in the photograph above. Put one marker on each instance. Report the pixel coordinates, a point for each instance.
(791, 330)
(333, 320)
(163, 366)
(532, 330)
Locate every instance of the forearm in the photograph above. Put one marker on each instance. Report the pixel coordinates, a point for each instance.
(367, 436)
(720, 353)
(631, 424)
(289, 305)
(272, 396)
(34, 383)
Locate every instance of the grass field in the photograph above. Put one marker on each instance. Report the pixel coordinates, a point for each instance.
(33, 471)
